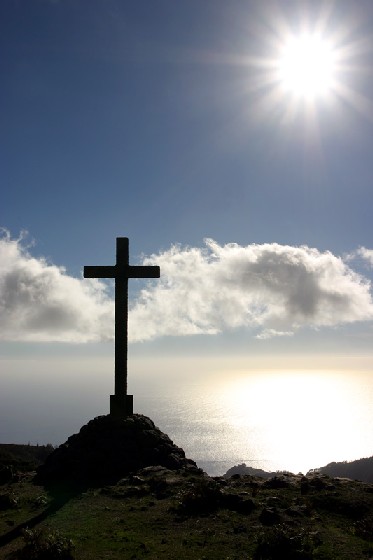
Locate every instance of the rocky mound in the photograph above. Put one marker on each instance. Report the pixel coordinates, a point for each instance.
(107, 449)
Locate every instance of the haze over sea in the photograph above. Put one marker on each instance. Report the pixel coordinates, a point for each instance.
(292, 420)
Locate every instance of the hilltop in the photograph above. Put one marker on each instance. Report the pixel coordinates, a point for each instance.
(156, 512)
(361, 469)
(140, 508)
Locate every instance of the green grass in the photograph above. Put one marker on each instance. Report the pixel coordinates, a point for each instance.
(172, 515)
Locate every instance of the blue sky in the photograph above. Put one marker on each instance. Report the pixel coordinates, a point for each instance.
(133, 118)
(160, 121)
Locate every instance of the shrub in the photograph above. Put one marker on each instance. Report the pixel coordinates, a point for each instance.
(201, 498)
(46, 545)
(9, 500)
(364, 528)
(39, 501)
(281, 541)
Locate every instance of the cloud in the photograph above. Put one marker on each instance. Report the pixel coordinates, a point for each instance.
(366, 254)
(271, 289)
(40, 302)
(274, 289)
(270, 333)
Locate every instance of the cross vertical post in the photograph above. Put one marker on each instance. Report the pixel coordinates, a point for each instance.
(121, 318)
(121, 404)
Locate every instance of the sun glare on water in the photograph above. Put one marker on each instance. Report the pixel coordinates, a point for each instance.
(299, 420)
(307, 66)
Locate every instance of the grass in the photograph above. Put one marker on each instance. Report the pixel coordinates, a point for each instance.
(168, 515)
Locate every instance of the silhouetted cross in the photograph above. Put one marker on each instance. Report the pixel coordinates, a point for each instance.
(121, 404)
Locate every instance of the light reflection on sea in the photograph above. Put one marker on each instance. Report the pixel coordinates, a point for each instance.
(271, 420)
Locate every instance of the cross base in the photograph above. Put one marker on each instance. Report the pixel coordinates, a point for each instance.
(121, 406)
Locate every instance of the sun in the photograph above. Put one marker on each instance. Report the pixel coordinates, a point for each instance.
(306, 66)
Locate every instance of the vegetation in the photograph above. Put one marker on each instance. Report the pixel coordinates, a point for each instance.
(362, 469)
(46, 545)
(21, 458)
(180, 512)
(243, 469)
(160, 513)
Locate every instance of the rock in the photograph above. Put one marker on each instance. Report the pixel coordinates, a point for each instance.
(304, 486)
(296, 511)
(6, 474)
(273, 501)
(244, 470)
(277, 482)
(320, 483)
(8, 501)
(107, 449)
(236, 502)
(269, 516)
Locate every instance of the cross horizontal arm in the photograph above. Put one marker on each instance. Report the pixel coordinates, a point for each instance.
(100, 272)
(144, 272)
(122, 271)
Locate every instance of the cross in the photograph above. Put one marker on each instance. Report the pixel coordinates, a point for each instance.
(121, 404)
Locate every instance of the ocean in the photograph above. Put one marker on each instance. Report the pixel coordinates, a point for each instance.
(293, 421)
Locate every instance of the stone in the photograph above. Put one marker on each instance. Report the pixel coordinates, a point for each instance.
(107, 449)
(6, 474)
(237, 502)
(296, 511)
(277, 482)
(269, 516)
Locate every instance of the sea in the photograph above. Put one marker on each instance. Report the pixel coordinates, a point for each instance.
(276, 420)
(294, 420)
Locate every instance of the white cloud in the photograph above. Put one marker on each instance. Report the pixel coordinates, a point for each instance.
(366, 254)
(271, 289)
(40, 302)
(270, 333)
(274, 288)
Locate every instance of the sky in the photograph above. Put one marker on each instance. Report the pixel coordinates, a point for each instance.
(167, 123)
